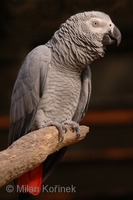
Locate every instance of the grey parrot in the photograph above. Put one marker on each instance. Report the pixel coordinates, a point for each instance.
(53, 86)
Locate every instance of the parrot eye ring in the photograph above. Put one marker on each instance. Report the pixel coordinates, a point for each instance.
(95, 23)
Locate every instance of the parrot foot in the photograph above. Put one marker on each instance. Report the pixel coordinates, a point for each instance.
(60, 127)
(74, 126)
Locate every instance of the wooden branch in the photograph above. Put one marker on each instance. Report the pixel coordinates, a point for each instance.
(32, 149)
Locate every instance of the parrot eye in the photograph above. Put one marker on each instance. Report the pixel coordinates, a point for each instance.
(95, 23)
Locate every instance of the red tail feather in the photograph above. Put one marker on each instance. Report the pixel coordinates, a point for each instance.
(31, 181)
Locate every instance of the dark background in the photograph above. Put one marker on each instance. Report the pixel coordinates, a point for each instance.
(101, 166)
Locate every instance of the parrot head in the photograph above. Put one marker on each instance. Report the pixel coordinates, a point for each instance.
(101, 29)
(88, 34)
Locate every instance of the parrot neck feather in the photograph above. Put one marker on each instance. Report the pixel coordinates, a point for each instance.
(72, 49)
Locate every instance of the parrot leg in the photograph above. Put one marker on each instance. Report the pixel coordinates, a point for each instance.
(74, 126)
(60, 127)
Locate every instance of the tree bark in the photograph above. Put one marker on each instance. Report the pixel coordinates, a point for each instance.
(32, 149)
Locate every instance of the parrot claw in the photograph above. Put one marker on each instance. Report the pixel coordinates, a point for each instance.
(75, 127)
(61, 138)
(61, 130)
(60, 127)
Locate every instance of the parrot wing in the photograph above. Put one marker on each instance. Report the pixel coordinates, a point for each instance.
(27, 91)
(84, 95)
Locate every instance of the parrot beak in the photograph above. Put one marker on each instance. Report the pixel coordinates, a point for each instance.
(111, 37)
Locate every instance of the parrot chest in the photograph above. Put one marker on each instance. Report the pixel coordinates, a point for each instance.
(61, 96)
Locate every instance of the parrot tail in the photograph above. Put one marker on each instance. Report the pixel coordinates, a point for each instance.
(31, 181)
